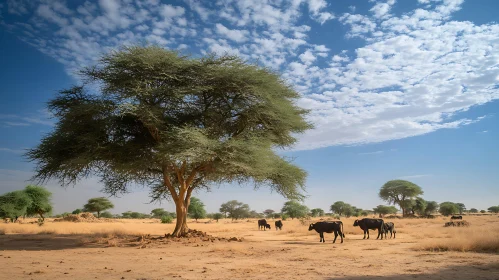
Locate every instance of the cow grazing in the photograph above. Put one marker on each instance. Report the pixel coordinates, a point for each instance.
(278, 225)
(389, 227)
(329, 227)
(366, 224)
(456, 217)
(263, 224)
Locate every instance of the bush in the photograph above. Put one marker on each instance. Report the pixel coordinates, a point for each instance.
(284, 217)
(166, 220)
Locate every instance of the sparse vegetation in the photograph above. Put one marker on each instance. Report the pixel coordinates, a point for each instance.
(294, 209)
(167, 219)
(97, 205)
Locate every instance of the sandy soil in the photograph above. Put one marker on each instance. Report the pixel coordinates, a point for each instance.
(107, 251)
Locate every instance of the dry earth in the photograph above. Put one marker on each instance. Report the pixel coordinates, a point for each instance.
(423, 249)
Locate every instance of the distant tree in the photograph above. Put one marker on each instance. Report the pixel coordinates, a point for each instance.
(126, 215)
(400, 192)
(340, 207)
(385, 210)
(268, 213)
(235, 209)
(419, 206)
(349, 210)
(178, 121)
(473, 210)
(65, 214)
(159, 212)
(40, 201)
(277, 215)
(217, 216)
(254, 214)
(14, 204)
(294, 209)
(196, 208)
(494, 209)
(461, 207)
(106, 214)
(98, 204)
(76, 212)
(448, 208)
(431, 207)
(483, 211)
(317, 212)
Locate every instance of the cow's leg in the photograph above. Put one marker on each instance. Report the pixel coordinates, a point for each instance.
(335, 236)
(322, 237)
(367, 233)
(380, 233)
(341, 236)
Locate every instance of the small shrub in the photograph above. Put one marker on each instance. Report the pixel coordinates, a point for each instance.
(284, 217)
(166, 220)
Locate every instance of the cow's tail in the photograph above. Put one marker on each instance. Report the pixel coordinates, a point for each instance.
(342, 232)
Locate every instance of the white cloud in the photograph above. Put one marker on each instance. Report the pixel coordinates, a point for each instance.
(307, 57)
(234, 35)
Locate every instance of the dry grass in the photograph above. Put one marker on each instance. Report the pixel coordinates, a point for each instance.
(465, 240)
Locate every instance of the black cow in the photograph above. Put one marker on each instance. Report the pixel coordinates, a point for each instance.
(278, 225)
(366, 224)
(456, 217)
(263, 224)
(389, 227)
(329, 227)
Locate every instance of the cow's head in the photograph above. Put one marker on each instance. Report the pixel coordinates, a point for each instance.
(311, 227)
(267, 226)
(356, 223)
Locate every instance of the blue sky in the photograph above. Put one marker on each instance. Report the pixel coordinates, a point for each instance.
(398, 89)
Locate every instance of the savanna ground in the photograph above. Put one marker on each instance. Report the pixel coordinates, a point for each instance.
(423, 249)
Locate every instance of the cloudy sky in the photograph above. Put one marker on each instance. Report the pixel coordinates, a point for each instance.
(398, 89)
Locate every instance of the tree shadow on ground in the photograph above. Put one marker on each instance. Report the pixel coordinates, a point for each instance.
(489, 271)
(49, 242)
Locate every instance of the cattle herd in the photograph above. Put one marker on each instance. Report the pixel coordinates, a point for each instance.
(336, 227)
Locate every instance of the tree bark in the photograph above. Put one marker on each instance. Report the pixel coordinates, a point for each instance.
(181, 227)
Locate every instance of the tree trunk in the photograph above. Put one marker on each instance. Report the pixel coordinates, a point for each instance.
(98, 214)
(181, 227)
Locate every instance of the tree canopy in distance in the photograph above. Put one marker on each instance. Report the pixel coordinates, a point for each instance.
(98, 204)
(400, 192)
(174, 123)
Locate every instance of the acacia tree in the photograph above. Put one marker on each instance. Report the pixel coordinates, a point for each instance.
(268, 213)
(98, 204)
(294, 209)
(493, 209)
(341, 208)
(176, 124)
(448, 208)
(196, 208)
(14, 204)
(431, 207)
(317, 212)
(384, 210)
(159, 212)
(400, 192)
(40, 201)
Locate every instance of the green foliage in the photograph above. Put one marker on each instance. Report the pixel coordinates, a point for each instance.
(106, 214)
(167, 219)
(473, 210)
(159, 118)
(77, 211)
(483, 211)
(235, 209)
(448, 208)
(65, 214)
(294, 209)
(317, 212)
(159, 212)
(217, 216)
(494, 209)
(196, 209)
(345, 209)
(14, 204)
(461, 207)
(98, 205)
(284, 217)
(431, 207)
(400, 192)
(419, 206)
(40, 201)
(385, 210)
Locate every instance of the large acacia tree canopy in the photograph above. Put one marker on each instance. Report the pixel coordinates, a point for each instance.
(158, 113)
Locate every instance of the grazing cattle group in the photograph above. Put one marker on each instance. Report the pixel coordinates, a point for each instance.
(336, 227)
(367, 224)
(263, 224)
(456, 217)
